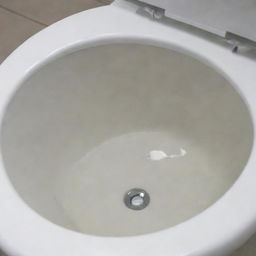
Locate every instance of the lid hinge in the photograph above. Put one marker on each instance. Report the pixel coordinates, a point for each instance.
(237, 41)
(234, 45)
(154, 12)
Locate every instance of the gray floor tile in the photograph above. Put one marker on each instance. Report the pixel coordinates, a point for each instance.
(105, 1)
(249, 249)
(13, 31)
(49, 11)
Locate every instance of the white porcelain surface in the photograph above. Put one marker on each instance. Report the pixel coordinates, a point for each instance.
(223, 227)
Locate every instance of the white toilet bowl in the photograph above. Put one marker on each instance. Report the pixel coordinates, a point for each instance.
(89, 113)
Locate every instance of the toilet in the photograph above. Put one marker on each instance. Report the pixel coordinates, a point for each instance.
(128, 130)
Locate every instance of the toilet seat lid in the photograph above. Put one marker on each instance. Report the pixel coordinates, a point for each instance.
(232, 19)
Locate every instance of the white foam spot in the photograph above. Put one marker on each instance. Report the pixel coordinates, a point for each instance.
(157, 155)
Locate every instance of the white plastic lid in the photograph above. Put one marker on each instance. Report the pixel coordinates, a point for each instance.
(221, 17)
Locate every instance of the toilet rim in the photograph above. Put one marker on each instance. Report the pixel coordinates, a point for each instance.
(222, 227)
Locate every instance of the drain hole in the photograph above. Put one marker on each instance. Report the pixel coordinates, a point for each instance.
(136, 199)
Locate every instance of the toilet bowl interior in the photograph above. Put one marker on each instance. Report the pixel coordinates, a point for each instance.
(89, 127)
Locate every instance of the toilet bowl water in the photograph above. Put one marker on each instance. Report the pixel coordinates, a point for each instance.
(79, 131)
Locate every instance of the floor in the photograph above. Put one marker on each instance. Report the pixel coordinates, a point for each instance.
(20, 19)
